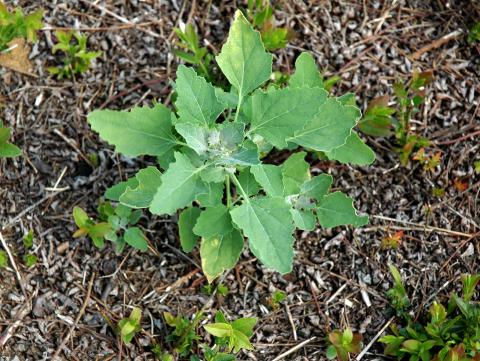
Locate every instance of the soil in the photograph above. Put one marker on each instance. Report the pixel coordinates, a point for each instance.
(59, 306)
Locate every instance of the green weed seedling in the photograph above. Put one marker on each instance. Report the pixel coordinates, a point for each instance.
(117, 224)
(474, 33)
(3, 259)
(7, 150)
(30, 259)
(184, 335)
(449, 333)
(210, 152)
(342, 344)
(276, 299)
(397, 294)
(76, 58)
(16, 24)
(130, 326)
(382, 120)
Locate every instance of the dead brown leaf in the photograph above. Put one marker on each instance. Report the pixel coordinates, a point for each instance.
(17, 58)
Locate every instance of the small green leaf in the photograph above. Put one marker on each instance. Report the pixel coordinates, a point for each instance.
(270, 178)
(141, 131)
(337, 209)
(240, 341)
(295, 172)
(135, 238)
(30, 260)
(304, 220)
(331, 352)
(141, 195)
(243, 58)
(317, 187)
(3, 259)
(180, 185)
(268, 224)
(219, 329)
(306, 73)
(354, 151)
(186, 221)
(248, 182)
(81, 217)
(245, 325)
(196, 102)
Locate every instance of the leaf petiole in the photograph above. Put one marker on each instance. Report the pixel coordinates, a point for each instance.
(239, 186)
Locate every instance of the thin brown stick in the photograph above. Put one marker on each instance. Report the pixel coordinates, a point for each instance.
(14, 265)
(295, 348)
(437, 43)
(453, 141)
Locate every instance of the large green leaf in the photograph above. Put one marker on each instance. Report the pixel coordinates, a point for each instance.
(306, 73)
(186, 221)
(180, 185)
(330, 128)
(337, 209)
(353, 151)
(295, 172)
(141, 195)
(268, 224)
(213, 221)
(140, 131)
(196, 101)
(317, 187)
(243, 58)
(269, 176)
(278, 113)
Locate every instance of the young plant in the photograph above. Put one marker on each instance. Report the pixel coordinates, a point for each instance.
(397, 294)
(184, 335)
(451, 332)
(3, 259)
(7, 150)
(130, 326)
(210, 152)
(343, 343)
(117, 225)
(30, 259)
(16, 24)
(76, 58)
(474, 33)
(276, 299)
(381, 120)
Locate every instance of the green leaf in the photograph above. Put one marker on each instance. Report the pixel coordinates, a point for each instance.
(210, 195)
(330, 128)
(141, 131)
(113, 193)
(229, 99)
(180, 185)
(269, 176)
(354, 151)
(268, 224)
(243, 58)
(7, 150)
(245, 325)
(248, 182)
(295, 172)
(337, 209)
(213, 174)
(195, 135)
(220, 253)
(186, 221)
(304, 220)
(317, 187)
(240, 341)
(141, 195)
(81, 217)
(213, 222)
(331, 352)
(196, 102)
(278, 113)
(3, 259)
(219, 329)
(306, 73)
(135, 238)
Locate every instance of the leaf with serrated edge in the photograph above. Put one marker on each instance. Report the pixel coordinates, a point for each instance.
(306, 73)
(337, 209)
(141, 195)
(197, 102)
(180, 185)
(304, 220)
(354, 151)
(195, 135)
(295, 172)
(243, 58)
(186, 221)
(317, 187)
(268, 224)
(330, 128)
(213, 221)
(220, 253)
(269, 176)
(113, 193)
(278, 113)
(141, 131)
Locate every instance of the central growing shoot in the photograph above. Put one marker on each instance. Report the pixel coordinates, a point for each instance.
(210, 151)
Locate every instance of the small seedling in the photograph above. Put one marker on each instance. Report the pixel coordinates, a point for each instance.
(222, 290)
(474, 33)
(276, 299)
(377, 120)
(130, 326)
(429, 161)
(18, 25)
(184, 334)
(161, 355)
(7, 150)
(447, 333)
(76, 58)
(3, 259)
(28, 240)
(117, 224)
(211, 152)
(397, 294)
(392, 241)
(438, 192)
(342, 344)
(30, 260)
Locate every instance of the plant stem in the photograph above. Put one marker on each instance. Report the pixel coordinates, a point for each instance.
(239, 105)
(229, 196)
(239, 186)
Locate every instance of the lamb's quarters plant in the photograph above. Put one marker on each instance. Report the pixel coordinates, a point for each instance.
(343, 343)
(18, 25)
(210, 152)
(449, 332)
(7, 150)
(76, 59)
